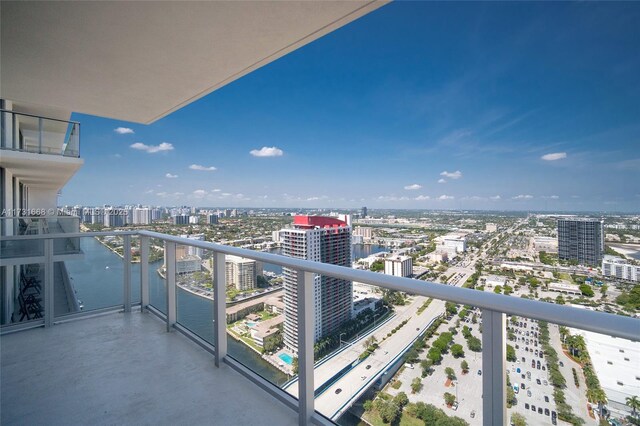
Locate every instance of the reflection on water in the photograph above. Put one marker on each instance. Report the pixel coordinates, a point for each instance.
(98, 282)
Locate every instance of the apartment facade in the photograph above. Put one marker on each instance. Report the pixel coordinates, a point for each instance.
(581, 240)
(614, 266)
(398, 266)
(241, 273)
(326, 240)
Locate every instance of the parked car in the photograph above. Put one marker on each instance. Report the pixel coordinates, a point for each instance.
(546, 398)
(479, 372)
(544, 382)
(538, 381)
(561, 364)
(526, 405)
(521, 385)
(529, 393)
(533, 408)
(523, 360)
(546, 412)
(539, 410)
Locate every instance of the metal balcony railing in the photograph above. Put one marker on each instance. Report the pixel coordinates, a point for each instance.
(494, 308)
(36, 134)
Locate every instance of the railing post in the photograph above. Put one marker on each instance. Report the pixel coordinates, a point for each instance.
(170, 263)
(48, 283)
(494, 379)
(220, 307)
(144, 273)
(306, 337)
(14, 131)
(127, 272)
(40, 135)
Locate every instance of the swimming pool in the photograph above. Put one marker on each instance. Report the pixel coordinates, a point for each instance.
(250, 324)
(288, 359)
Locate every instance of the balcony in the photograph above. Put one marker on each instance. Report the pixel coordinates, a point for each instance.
(43, 152)
(41, 135)
(144, 347)
(17, 249)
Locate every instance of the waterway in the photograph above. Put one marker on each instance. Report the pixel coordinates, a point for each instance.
(98, 280)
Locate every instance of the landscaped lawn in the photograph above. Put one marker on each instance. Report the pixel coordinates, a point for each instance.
(406, 420)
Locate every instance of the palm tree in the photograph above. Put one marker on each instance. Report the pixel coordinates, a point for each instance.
(633, 403)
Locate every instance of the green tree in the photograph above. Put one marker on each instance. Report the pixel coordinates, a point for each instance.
(634, 403)
(416, 385)
(586, 290)
(449, 398)
(377, 266)
(464, 366)
(560, 300)
(401, 399)
(388, 411)
(511, 354)
(451, 308)
(451, 375)
(518, 419)
(457, 351)
(474, 344)
(367, 405)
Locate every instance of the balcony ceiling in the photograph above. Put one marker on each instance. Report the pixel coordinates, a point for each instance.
(139, 61)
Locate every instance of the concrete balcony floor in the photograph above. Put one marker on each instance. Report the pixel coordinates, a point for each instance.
(124, 369)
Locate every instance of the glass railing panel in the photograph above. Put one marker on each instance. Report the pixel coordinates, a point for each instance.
(194, 292)
(255, 319)
(92, 280)
(21, 248)
(23, 293)
(71, 147)
(157, 275)
(561, 375)
(415, 366)
(135, 270)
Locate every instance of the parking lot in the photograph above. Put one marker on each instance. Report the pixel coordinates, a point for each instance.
(529, 375)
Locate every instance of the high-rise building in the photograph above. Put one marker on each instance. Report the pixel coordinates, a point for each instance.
(212, 219)
(399, 266)
(581, 240)
(322, 239)
(241, 273)
(363, 212)
(142, 216)
(181, 219)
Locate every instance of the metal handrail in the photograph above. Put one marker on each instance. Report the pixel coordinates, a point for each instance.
(38, 116)
(598, 322)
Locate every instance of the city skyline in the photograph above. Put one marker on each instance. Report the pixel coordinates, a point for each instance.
(527, 111)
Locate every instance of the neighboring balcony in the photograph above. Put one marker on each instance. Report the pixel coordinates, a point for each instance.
(63, 248)
(144, 347)
(40, 135)
(43, 152)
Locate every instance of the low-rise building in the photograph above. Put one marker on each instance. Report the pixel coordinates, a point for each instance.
(547, 244)
(495, 280)
(565, 288)
(490, 227)
(613, 266)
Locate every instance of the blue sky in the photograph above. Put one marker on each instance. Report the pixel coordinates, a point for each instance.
(499, 105)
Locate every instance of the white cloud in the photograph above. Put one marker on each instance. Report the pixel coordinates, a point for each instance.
(452, 175)
(313, 198)
(266, 151)
(554, 156)
(123, 131)
(495, 198)
(422, 198)
(170, 176)
(152, 149)
(412, 187)
(117, 156)
(150, 191)
(199, 193)
(523, 197)
(216, 190)
(226, 194)
(202, 168)
(554, 197)
(446, 197)
(441, 180)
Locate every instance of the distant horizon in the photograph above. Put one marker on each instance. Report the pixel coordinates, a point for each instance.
(384, 209)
